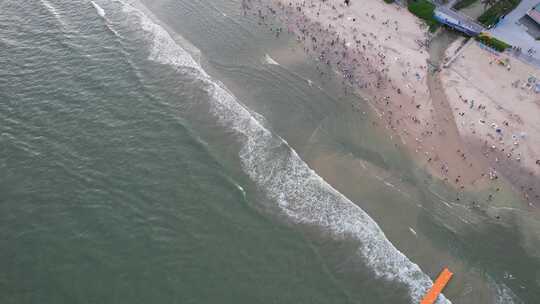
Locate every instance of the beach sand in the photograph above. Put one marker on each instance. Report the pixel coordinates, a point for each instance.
(497, 109)
(383, 54)
(381, 50)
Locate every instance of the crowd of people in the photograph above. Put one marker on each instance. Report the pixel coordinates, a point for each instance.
(396, 85)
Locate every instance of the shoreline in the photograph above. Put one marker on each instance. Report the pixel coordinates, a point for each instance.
(381, 51)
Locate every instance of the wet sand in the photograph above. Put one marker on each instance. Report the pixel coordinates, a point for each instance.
(381, 50)
(382, 53)
(482, 199)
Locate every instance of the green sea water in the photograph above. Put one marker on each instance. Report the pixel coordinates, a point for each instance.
(124, 181)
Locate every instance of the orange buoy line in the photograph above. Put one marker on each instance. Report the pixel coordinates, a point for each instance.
(437, 287)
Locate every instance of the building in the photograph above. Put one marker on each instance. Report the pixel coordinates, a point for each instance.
(534, 14)
(457, 21)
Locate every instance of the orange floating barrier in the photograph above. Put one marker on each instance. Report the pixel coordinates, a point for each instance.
(437, 287)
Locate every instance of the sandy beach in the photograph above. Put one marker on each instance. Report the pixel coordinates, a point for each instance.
(498, 113)
(382, 52)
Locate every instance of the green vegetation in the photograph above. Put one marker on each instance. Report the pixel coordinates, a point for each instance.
(389, 1)
(493, 42)
(463, 4)
(423, 9)
(499, 9)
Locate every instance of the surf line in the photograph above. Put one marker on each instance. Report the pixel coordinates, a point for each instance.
(299, 192)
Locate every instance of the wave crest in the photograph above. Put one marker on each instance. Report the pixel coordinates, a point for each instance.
(99, 10)
(302, 195)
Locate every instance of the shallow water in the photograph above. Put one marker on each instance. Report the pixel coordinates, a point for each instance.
(132, 175)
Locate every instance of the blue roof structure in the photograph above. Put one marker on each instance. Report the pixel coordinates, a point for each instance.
(457, 21)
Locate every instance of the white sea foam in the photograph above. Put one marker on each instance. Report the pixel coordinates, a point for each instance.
(100, 11)
(270, 60)
(302, 195)
(503, 294)
(164, 49)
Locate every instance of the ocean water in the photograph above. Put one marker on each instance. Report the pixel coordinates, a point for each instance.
(178, 152)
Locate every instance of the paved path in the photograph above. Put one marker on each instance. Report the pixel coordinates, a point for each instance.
(511, 31)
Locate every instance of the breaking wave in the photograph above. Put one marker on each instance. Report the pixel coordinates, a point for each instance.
(300, 194)
(99, 10)
(270, 60)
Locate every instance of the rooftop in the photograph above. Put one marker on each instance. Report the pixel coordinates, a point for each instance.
(534, 13)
